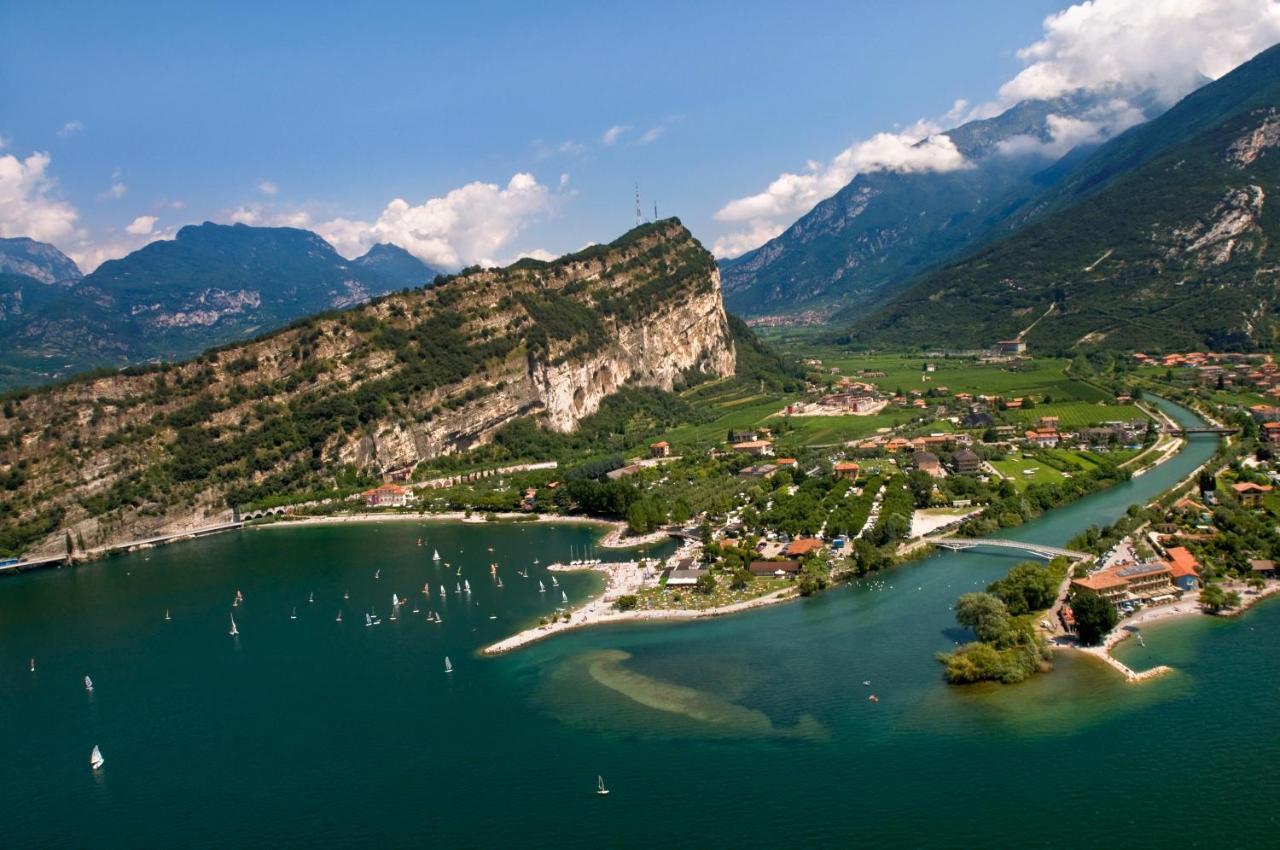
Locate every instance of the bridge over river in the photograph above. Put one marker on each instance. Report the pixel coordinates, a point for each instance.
(960, 543)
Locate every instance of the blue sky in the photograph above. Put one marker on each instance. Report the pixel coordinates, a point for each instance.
(149, 116)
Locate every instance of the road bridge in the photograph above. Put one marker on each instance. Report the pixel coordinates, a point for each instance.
(1049, 552)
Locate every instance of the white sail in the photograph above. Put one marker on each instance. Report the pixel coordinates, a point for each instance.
(234, 631)
(88, 683)
(457, 588)
(395, 600)
(600, 789)
(563, 596)
(377, 574)
(466, 585)
(448, 666)
(442, 593)
(542, 588)
(312, 597)
(368, 620)
(554, 583)
(499, 581)
(95, 758)
(294, 614)
(166, 614)
(339, 620)
(435, 554)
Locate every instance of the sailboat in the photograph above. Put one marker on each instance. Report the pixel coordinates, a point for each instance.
(33, 665)
(368, 620)
(95, 758)
(499, 581)
(493, 569)
(395, 600)
(563, 596)
(435, 554)
(166, 614)
(235, 603)
(339, 620)
(312, 597)
(600, 789)
(426, 588)
(542, 588)
(457, 588)
(448, 667)
(554, 583)
(442, 593)
(393, 614)
(377, 574)
(346, 595)
(294, 615)
(234, 631)
(88, 684)
(466, 585)
(415, 609)
(438, 620)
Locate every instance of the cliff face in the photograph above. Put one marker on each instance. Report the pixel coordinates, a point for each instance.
(407, 378)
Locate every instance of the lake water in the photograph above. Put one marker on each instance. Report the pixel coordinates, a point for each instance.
(754, 730)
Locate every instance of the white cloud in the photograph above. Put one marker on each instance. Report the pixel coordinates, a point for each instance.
(143, 225)
(260, 215)
(1166, 46)
(614, 133)
(1121, 47)
(28, 204)
(4, 141)
(470, 224)
(268, 187)
(767, 213)
(116, 191)
(651, 135)
(70, 128)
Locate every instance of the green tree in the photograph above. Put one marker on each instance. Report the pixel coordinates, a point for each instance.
(1213, 598)
(706, 584)
(1095, 616)
(629, 602)
(986, 615)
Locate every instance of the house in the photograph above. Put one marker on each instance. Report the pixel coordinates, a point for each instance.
(1250, 493)
(897, 444)
(756, 448)
(774, 568)
(685, 573)
(762, 470)
(1125, 582)
(966, 461)
(622, 471)
(928, 462)
(660, 449)
(1271, 432)
(1044, 439)
(387, 496)
(530, 500)
(847, 469)
(1265, 569)
(802, 546)
(1011, 346)
(1184, 565)
(786, 463)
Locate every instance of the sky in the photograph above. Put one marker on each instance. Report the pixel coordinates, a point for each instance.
(482, 132)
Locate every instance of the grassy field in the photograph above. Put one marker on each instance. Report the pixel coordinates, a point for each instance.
(1078, 414)
(1042, 376)
(1013, 469)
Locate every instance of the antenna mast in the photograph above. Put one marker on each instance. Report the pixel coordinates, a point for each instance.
(639, 215)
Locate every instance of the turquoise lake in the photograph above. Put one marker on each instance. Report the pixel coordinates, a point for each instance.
(753, 730)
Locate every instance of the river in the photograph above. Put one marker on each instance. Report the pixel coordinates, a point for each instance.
(754, 730)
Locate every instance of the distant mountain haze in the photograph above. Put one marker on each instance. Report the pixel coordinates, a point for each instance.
(1165, 237)
(211, 285)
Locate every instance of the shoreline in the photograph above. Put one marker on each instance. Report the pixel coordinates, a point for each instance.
(616, 538)
(1185, 607)
(621, 578)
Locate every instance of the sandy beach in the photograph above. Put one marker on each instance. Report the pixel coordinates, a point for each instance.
(1187, 606)
(621, 579)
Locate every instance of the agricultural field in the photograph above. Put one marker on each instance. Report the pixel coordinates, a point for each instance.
(1077, 414)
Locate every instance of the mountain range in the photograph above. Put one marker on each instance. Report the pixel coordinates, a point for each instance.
(886, 227)
(1162, 238)
(404, 379)
(210, 285)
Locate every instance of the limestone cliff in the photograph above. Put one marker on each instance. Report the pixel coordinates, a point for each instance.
(404, 379)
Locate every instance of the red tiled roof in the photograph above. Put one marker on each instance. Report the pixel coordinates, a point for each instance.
(1183, 562)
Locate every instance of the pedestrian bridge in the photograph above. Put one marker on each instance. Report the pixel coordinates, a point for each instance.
(960, 543)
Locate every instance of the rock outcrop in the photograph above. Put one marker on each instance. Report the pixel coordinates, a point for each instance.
(406, 378)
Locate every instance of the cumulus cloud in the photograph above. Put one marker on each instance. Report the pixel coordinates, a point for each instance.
(790, 195)
(28, 203)
(117, 189)
(143, 225)
(1119, 48)
(70, 128)
(268, 187)
(1165, 46)
(614, 133)
(471, 224)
